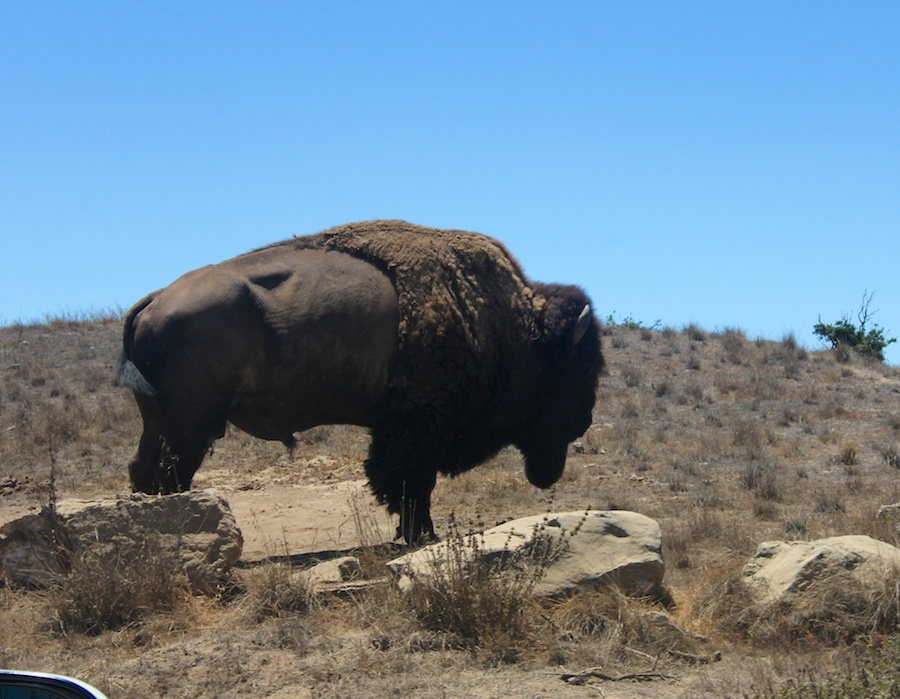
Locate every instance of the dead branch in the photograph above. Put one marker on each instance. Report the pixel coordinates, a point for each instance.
(581, 678)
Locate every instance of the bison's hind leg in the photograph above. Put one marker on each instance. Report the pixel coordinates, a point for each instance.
(158, 468)
(168, 457)
(144, 470)
(180, 462)
(187, 446)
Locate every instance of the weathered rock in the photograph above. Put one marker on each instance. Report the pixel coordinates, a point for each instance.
(341, 576)
(576, 549)
(789, 571)
(196, 529)
(332, 574)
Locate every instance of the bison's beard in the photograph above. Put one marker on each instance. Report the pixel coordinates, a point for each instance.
(544, 465)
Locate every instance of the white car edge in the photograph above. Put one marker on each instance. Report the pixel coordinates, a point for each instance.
(21, 683)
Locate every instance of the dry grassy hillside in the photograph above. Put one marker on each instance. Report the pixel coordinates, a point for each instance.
(726, 441)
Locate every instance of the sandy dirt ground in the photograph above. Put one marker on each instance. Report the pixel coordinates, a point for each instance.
(296, 519)
(291, 520)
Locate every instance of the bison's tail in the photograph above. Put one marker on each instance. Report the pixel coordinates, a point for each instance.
(131, 377)
(129, 374)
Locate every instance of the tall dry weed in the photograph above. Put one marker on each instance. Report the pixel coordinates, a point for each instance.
(831, 611)
(487, 604)
(275, 590)
(98, 596)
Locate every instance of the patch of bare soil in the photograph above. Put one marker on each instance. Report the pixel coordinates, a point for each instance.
(231, 665)
(296, 519)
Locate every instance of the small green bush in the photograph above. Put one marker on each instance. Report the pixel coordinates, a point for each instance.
(845, 335)
(629, 323)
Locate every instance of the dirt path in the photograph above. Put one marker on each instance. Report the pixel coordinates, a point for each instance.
(291, 519)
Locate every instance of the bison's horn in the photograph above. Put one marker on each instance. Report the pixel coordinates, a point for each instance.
(582, 324)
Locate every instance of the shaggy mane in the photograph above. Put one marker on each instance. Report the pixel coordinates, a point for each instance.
(459, 293)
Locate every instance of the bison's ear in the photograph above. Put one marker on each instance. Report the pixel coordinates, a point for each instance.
(582, 324)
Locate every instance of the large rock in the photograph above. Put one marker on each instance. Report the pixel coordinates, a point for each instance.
(196, 530)
(796, 571)
(577, 549)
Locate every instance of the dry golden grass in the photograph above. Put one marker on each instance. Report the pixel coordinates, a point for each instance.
(97, 596)
(726, 441)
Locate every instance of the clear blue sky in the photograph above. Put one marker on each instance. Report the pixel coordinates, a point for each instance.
(732, 164)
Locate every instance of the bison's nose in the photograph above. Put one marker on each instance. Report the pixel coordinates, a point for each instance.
(544, 466)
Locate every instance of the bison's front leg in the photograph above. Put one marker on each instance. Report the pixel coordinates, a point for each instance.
(401, 482)
(415, 511)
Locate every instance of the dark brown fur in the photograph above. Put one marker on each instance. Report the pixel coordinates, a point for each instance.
(485, 358)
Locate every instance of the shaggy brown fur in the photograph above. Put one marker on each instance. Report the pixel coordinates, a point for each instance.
(443, 277)
(460, 294)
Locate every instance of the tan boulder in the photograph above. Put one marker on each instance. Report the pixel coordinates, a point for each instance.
(790, 570)
(575, 550)
(195, 529)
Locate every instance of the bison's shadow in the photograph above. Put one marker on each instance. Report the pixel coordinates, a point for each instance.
(384, 551)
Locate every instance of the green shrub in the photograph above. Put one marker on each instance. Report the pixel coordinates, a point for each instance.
(629, 323)
(845, 335)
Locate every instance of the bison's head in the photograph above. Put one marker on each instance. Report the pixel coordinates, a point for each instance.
(569, 365)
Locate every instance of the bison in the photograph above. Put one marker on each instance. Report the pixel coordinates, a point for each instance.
(434, 340)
